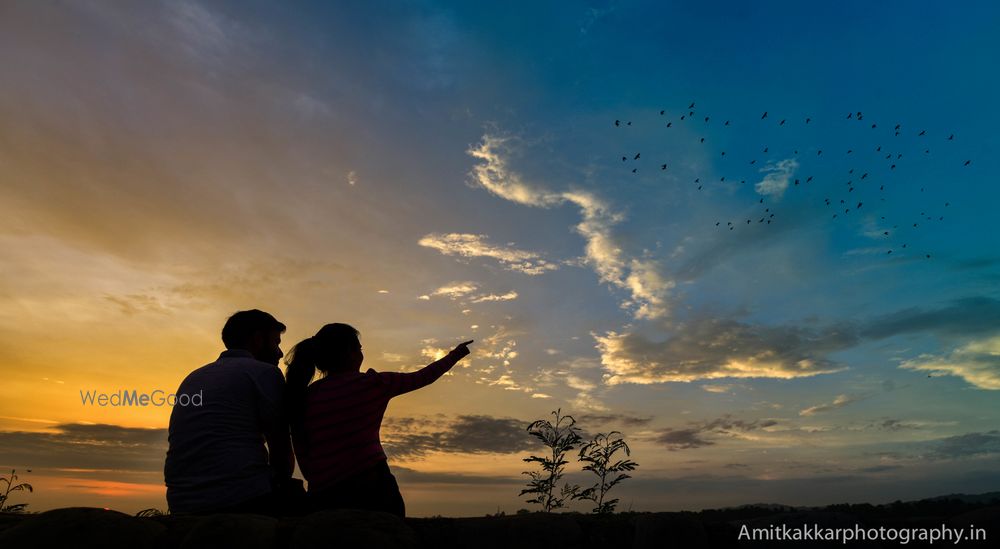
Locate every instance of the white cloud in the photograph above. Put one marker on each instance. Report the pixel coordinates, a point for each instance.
(493, 175)
(640, 277)
(465, 293)
(777, 178)
(839, 402)
(455, 290)
(977, 362)
(475, 245)
(705, 349)
(352, 177)
(493, 297)
(580, 384)
(433, 353)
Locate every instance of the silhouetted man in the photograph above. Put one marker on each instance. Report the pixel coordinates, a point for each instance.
(217, 461)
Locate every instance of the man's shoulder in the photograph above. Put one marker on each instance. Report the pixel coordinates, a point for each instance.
(235, 366)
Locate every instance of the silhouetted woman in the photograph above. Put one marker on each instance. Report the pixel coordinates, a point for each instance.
(335, 421)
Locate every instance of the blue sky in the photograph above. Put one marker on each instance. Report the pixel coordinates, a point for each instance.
(434, 172)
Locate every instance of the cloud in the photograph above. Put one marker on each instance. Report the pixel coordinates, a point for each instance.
(133, 304)
(475, 245)
(407, 438)
(682, 439)
(777, 178)
(640, 277)
(407, 475)
(839, 402)
(493, 175)
(721, 348)
(718, 348)
(892, 424)
(455, 290)
(100, 447)
(508, 383)
(500, 346)
(494, 297)
(614, 418)
(966, 316)
(977, 362)
(593, 15)
(879, 468)
(967, 445)
(464, 292)
(699, 434)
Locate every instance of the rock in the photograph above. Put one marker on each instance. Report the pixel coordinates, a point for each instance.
(987, 518)
(11, 519)
(82, 527)
(351, 528)
(535, 530)
(665, 530)
(244, 531)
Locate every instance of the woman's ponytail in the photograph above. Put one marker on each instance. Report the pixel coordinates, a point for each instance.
(301, 369)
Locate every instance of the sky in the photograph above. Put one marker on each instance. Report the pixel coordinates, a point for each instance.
(796, 308)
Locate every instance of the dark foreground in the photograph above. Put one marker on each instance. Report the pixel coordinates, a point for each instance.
(85, 527)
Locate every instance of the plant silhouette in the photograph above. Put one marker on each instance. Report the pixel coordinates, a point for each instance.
(559, 439)
(13, 486)
(598, 455)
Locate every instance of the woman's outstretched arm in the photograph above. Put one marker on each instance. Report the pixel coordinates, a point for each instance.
(399, 383)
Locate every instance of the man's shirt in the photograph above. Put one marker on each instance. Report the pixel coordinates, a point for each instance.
(216, 454)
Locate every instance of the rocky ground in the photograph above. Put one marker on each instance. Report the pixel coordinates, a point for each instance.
(84, 527)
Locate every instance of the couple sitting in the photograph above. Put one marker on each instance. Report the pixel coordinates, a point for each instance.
(217, 461)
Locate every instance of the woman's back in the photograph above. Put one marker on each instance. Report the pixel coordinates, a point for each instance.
(335, 421)
(339, 432)
(340, 427)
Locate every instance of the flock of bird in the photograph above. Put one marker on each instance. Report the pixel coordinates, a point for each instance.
(841, 201)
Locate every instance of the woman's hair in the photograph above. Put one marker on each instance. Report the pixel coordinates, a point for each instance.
(327, 351)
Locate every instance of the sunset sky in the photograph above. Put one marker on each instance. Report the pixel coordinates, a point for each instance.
(435, 172)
